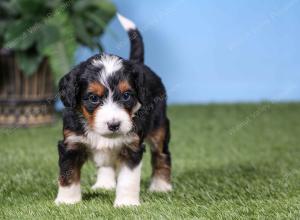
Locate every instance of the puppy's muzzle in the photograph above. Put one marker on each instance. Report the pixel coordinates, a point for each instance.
(113, 126)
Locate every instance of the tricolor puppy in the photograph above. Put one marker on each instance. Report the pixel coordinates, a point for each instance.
(112, 106)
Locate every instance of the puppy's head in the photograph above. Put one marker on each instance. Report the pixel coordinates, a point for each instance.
(105, 90)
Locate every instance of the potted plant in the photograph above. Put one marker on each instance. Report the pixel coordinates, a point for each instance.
(38, 40)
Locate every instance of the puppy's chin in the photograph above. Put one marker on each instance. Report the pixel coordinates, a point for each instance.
(109, 134)
(112, 135)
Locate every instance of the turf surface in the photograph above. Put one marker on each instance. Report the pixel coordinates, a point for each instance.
(229, 162)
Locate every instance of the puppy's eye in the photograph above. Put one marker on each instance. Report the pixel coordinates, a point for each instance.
(94, 99)
(126, 96)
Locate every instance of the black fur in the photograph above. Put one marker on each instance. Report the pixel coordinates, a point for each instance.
(71, 121)
(70, 163)
(132, 157)
(137, 46)
(147, 89)
(69, 88)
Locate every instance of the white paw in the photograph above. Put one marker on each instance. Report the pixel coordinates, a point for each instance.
(68, 194)
(67, 201)
(105, 179)
(160, 185)
(123, 202)
(105, 184)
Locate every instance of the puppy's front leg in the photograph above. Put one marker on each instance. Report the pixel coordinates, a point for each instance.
(128, 182)
(71, 159)
(105, 178)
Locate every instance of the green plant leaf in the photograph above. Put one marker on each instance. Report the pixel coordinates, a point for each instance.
(61, 53)
(96, 19)
(34, 7)
(34, 29)
(100, 47)
(94, 15)
(18, 35)
(82, 35)
(9, 8)
(59, 60)
(53, 3)
(3, 25)
(88, 5)
(28, 63)
(106, 7)
(80, 6)
(48, 34)
(96, 24)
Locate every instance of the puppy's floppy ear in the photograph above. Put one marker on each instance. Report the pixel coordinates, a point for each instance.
(69, 88)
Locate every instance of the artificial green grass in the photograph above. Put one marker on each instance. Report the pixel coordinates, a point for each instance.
(229, 162)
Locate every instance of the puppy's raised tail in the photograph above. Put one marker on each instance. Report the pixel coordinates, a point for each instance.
(135, 37)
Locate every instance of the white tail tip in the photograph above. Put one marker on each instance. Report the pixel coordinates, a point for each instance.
(126, 23)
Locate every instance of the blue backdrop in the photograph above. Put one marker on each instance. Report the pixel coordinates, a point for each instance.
(216, 51)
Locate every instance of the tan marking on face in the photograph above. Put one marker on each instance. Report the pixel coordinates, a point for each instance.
(96, 88)
(89, 117)
(124, 86)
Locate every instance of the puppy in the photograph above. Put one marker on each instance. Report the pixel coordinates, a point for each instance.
(112, 105)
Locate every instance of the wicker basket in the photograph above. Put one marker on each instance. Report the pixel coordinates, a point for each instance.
(24, 101)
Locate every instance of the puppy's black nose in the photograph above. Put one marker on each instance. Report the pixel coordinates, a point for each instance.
(113, 126)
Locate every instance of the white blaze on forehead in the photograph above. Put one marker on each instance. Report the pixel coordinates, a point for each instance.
(110, 65)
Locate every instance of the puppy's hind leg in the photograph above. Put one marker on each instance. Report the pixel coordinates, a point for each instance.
(160, 158)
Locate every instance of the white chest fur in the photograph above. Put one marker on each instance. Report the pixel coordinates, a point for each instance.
(104, 150)
(105, 157)
(96, 141)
